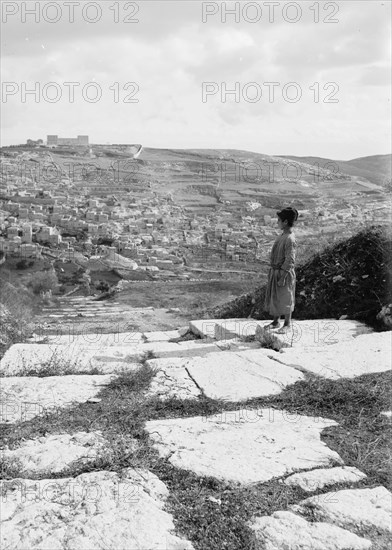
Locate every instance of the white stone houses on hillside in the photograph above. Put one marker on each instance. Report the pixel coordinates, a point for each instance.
(27, 233)
(45, 233)
(20, 250)
(104, 229)
(93, 229)
(37, 216)
(12, 207)
(12, 231)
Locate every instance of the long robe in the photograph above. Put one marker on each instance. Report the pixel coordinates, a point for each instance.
(280, 300)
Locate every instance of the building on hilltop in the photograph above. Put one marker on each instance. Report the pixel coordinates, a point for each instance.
(55, 141)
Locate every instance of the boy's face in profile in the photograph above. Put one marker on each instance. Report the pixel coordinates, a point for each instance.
(282, 225)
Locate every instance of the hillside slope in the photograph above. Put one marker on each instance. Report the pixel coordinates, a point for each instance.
(208, 180)
(376, 168)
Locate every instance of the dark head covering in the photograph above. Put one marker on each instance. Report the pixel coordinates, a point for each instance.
(290, 214)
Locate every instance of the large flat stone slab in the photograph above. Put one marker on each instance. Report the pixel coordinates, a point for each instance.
(227, 375)
(240, 376)
(303, 334)
(188, 348)
(161, 335)
(23, 398)
(99, 510)
(66, 336)
(245, 446)
(57, 360)
(27, 359)
(229, 329)
(238, 345)
(206, 327)
(172, 379)
(317, 479)
(351, 508)
(53, 453)
(318, 333)
(287, 531)
(365, 354)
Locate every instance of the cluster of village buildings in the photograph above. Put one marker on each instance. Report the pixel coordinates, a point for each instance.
(158, 235)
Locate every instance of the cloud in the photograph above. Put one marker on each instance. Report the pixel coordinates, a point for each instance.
(170, 53)
(375, 76)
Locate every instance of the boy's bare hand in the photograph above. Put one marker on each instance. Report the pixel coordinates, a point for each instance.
(282, 278)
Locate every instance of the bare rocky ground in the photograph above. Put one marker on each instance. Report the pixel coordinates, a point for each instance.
(81, 315)
(130, 428)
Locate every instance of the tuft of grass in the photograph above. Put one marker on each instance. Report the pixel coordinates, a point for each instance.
(248, 338)
(56, 369)
(135, 380)
(267, 339)
(56, 365)
(121, 451)
(146, 357)
(10, 469)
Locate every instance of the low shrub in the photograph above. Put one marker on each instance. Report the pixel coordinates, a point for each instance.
(44, 281)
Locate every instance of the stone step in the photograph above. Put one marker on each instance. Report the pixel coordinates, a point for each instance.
(365, 354)
(229, 376)
(23, 398)
(304, 334)
(162, 335)
(229, 329)
(205, 328)
(244, 446)
(22, 359)
(93, 510)
(71, 307)
(66, 336)
(320, 333)
(85, 311)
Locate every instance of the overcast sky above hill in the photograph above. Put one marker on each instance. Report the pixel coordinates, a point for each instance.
(170, 52)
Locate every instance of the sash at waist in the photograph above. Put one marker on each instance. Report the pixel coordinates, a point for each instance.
(278, 267)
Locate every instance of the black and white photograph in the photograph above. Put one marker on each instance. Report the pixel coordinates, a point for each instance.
(195, 275)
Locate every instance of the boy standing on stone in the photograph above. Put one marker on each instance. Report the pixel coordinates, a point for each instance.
(280, 293)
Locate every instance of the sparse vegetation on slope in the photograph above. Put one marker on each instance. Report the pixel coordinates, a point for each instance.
(352, 277)
(44, 281)
(16, 304)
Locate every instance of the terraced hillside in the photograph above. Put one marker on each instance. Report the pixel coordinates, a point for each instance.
(376, 169)
(205, 180)
(227, 179)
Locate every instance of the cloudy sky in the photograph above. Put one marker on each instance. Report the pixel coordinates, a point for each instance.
(139, 70)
